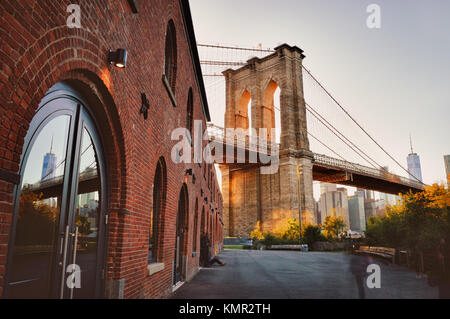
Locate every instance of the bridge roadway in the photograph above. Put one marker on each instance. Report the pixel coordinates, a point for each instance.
(325, 168)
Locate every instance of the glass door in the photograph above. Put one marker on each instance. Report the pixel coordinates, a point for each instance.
(86, 218)
(40, 211)
(55, 250)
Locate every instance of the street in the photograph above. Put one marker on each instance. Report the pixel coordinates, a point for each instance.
(297, 275)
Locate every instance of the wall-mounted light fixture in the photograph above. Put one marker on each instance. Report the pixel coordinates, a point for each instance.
(118, 58)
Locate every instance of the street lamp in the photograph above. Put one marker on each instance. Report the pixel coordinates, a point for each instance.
(299, 172)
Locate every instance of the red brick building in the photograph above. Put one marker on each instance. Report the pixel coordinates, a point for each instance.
(86, 170)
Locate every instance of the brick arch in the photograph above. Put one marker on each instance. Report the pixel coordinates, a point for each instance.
(35, 72)
(80, 60)
(103, 107)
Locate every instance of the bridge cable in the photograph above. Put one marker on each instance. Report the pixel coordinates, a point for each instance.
(323, 88)
(311, 110)
(356, 122)
(339, 138)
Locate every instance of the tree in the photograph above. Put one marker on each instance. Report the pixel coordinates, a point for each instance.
(312, 234)
(83, 224)
(333, 226)
(427, 217)
(419, 222)
(36, 220)
(292, 230)
(257, 233)
(388, 230)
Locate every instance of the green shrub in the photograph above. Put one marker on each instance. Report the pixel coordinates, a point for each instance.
(312, 234)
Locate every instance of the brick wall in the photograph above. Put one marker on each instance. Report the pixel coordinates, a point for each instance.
(38, 50)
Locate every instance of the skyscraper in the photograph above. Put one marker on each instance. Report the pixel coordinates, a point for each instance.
(49, 165)
(389, 199)
(415, 171)
(356, 212)
(365, 193)
(447, 167)
(333, 201)
(374, 207)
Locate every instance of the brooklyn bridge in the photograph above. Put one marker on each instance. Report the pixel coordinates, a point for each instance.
(251, 196)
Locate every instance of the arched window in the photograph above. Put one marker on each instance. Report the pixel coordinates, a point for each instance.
(181, 235)
(203, 221)
(170, 67)
(195, 232)
(190, 112)
(159, 195)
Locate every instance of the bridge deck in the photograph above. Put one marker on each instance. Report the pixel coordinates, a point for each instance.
(331, 170)
(325, 168)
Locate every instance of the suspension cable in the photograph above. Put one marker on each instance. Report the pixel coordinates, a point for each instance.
(356, 122)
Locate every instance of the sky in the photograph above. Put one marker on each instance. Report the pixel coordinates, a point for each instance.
(394, 80)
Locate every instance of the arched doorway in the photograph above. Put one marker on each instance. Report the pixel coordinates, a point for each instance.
(181, 228)
(57, 239)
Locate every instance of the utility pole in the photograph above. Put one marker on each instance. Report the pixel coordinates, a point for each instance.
(299, 172)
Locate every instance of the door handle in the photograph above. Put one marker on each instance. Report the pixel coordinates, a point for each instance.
(74, 256)
(63, 268)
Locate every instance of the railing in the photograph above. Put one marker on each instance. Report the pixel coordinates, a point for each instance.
(251, 143)
(84, 176)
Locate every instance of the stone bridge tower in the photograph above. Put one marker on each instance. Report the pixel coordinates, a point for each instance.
(248, 195)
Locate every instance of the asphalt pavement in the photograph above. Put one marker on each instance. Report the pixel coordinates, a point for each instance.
(251, 274)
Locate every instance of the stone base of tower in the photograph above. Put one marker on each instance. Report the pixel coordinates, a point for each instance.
(250, 196)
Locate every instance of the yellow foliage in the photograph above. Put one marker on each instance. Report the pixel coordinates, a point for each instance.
(281, 227)
(257, 233)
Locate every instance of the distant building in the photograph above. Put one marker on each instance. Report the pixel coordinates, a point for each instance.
(389, 199)
(327, 187)
(48, 172)
(356, 213)
(447, 167)
(415, 171)
(317, 213)
(333, 201)
(374, 208)
(49, 165)
(365, 193)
